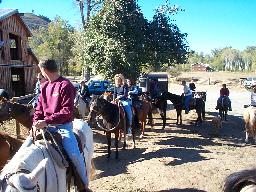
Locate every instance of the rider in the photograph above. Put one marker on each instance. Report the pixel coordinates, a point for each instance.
(55, 109)
(153, 89)
(224, 92)
(121, 94)
(40, 81)
(132, 92)
(84, 92)
(187, 93)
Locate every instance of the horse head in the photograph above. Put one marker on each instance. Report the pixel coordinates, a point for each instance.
(5, 109)
(22, 180)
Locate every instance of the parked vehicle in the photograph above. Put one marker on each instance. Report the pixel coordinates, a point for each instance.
(249, 82)
(161, 79)
(98, 87)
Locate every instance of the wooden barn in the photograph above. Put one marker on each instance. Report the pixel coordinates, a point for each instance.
(201, 67)
(18, 64)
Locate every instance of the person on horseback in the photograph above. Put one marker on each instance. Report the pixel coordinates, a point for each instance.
(84, 92)
(153, 89)
(55, 110)
(121, 94)
(224, 92)
(40, 81)
(187, 93)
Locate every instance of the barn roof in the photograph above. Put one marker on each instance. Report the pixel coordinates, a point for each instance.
(5, 13)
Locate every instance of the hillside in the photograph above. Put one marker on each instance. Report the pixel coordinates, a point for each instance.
(34, 21)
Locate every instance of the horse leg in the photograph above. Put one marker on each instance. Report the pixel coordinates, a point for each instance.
(124, 131)
(133, 136)
(108, 134)
(143, 122)
(116, 141)
(226, 113)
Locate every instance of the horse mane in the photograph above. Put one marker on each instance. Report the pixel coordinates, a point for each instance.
(109, 111)
(236, 181)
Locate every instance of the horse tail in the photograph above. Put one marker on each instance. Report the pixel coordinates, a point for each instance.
(236, 181)
(14, 143)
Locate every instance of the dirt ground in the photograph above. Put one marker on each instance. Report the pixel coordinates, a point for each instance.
(180, 158)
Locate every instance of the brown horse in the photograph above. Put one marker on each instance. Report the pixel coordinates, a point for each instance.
(12, 110)
(143, 112)
(8, 147)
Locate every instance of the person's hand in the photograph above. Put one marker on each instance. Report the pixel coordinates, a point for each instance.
(40, 124)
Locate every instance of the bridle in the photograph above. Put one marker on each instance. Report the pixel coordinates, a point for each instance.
(8, 175)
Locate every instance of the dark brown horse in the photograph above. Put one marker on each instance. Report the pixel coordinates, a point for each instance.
(177, 100)
(12, 110)
(8, 147)
(114, 121)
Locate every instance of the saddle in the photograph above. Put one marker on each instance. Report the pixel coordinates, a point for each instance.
(56, 148)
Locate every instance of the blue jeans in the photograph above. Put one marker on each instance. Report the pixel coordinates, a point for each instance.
(70, 145)
(128, 109)
(187, 99)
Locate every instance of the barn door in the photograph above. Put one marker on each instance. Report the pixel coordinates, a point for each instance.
(18, 81)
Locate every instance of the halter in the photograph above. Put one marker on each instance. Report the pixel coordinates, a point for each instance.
(113, 128)
(8, 175)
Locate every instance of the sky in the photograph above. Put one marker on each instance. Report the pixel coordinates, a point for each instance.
(210, 24)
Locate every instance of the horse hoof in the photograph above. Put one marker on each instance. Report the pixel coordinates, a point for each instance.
(141, 136)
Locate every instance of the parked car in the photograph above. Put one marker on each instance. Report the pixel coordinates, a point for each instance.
(249, 82)
(98, 87)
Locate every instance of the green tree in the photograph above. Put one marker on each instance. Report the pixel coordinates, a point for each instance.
(54, 42)
(114, 40)
(167, 45)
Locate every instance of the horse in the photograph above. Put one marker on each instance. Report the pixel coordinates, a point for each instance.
(177, 101)
(12, 110)
(33, 169)
(159, 104)
(82, 106)
(241, 181)
(114, 121)
(249, 117)
(142, 113)
(223, 108)
(8, 147)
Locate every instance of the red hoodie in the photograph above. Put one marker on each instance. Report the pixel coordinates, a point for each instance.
(56, 102)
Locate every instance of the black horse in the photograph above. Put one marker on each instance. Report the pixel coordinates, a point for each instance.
(114, 121)
(198, 104)
(160, 104)
(223, 107)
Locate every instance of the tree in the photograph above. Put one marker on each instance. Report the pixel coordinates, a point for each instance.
(54, 42)
(114, 40)
(167, 45)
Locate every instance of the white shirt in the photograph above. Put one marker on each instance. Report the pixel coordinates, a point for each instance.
(186, 90)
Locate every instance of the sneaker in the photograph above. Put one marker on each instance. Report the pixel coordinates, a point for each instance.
(186, 112)
(129, 132)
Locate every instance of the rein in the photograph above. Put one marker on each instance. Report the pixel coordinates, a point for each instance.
(113, 128)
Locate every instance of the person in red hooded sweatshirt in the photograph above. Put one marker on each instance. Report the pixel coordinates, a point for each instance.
(55, 110)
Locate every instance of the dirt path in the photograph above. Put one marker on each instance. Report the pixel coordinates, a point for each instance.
(180, 158)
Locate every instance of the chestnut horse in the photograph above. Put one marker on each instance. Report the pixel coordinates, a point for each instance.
(12, 110)
(8, 147)
(143, 112)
